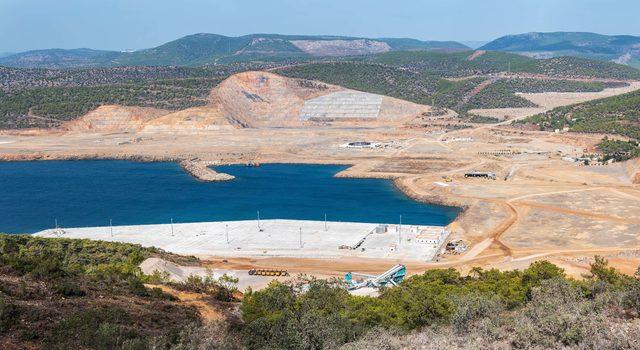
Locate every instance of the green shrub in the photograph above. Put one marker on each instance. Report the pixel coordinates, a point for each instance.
(104, 328)
(9, 314)
(612, 115)
(221, 289)
(69, 289)
(137, 287)
(158, 293)
(283, 316)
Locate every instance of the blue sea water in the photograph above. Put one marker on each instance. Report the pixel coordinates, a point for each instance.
(89, 193)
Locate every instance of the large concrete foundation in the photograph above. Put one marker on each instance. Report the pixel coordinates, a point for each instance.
(283, 238)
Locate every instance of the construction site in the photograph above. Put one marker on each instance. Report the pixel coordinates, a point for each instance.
(295, 239)
(276, 238)
(521, 201)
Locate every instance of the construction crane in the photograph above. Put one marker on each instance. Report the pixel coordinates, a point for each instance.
(393, 276)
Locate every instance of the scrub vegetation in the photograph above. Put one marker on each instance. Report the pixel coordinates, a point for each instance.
(57, 104)
(48, 97)
(70, 294)
(612, 115)
(373, 78)
(61, 293)
(536, 308)
(32, 97)
(618, 150)
(423, 85)
(459, 64)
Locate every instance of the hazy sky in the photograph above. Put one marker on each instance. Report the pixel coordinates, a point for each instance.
(136, 24)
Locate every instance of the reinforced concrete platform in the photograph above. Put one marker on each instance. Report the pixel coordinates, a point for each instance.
(284, 238)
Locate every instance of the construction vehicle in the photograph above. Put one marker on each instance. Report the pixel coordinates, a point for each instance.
(447, 179)
(393, 276)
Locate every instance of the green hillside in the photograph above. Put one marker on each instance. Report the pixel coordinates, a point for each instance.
(581, 42)
(190, 50)
(613, 115)
(371, 78)
(58, 104)
(203, 48)
(57, 95)
(463, 63)
(79, 294)
(200, 49)
(406, 44)
(578, 44)
(449, 64)
(418, 83)
(580, 67)
(59, 58)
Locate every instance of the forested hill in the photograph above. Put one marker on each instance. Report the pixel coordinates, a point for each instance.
(81, 294)
(58, 95)
(619, 48)
(199, 49)
(613, 115)
(466, 63)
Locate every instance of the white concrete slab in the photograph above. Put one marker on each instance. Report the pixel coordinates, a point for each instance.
(284, 238)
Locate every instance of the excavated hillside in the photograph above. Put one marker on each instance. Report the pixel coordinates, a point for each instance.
(261, 99)
(191, 119)
(257, 100)
(114, 118)
(341, 47)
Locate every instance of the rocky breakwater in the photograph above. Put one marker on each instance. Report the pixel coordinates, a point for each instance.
(201, 171)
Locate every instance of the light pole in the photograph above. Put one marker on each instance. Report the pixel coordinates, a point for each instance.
(400, 231)
(325, 221)
(111, 226)
(171, 226)
(258, 220)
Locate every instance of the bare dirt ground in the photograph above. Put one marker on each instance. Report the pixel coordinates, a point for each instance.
(208, 312)
(546, 209)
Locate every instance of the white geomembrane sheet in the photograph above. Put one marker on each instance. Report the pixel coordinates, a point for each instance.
(343, 104)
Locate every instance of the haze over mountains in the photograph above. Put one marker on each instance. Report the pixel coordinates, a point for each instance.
(199, 49)
(624, 49)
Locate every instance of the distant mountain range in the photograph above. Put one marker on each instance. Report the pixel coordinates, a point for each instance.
(474, 44)
(624, 49)
(199, 49)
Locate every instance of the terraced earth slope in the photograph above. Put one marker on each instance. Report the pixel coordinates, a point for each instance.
(261, 99)
(462, 81)
(255, 100)
(114, 118)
